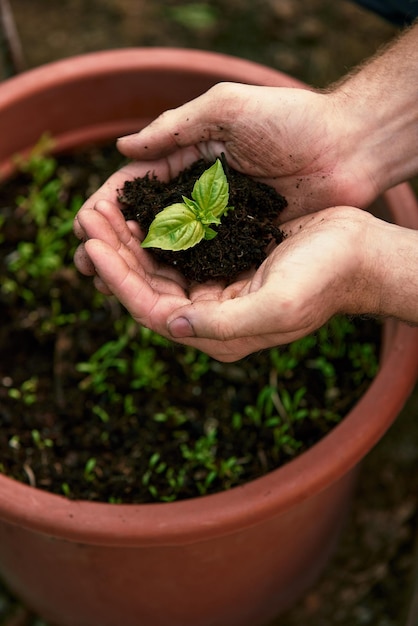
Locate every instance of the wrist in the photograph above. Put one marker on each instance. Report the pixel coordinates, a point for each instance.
(378, 143)
(387, 272)
(360, 289)
(377, 106)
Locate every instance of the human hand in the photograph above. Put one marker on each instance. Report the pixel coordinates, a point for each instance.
(295, 140)
(342, 147)
(320, 269)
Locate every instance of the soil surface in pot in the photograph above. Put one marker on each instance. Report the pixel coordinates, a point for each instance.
(94, 407)
(242, 237)
(317, 41)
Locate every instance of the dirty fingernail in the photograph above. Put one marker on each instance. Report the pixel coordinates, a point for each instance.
(180, 327)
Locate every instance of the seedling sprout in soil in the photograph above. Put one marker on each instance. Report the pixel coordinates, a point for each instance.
(209, 222)
(94, 407)
(184, 224)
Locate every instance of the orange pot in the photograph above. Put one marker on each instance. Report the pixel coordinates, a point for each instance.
(236, 558)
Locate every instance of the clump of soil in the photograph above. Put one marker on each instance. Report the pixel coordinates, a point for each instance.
(243, 236)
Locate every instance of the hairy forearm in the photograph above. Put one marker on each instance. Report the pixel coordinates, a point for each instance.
(399, 271)
(388, 272)
(378, 104)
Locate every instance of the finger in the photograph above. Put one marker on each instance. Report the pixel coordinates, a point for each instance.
(128, 244)
(146, 305)
(127, 233)
(82, 261)
(105, 222)
(261, 316)
(101, 286)
(226, 350)
(164, 169)
(78, 229)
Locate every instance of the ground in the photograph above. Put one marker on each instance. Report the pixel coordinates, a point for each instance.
(369, 579)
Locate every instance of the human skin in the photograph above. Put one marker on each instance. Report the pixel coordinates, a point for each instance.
(340, 147)
(339, 260)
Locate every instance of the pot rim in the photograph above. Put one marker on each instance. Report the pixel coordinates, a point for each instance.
(325, 463)
(189, 60)
(105, 63)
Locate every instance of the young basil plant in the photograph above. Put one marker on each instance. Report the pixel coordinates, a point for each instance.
(183, 225)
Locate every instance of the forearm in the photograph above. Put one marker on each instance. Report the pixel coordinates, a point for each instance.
(378, 105)
(389, 272)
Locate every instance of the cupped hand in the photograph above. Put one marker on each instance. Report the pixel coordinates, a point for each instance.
(308, 145)
(320, 269)
(303, 143)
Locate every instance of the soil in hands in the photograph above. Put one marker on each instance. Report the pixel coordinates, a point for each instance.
(243, 237)
(94, 407)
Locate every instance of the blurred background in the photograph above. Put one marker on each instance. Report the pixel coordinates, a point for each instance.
(370, 578)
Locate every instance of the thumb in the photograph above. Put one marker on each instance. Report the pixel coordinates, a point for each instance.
(246, 317)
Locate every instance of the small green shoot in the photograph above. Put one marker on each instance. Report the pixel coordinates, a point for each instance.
(27, 392)
(47, 212)
(197, 16)
(41, 442)
(177, 423)
(184, 224)
(89, 468)
(66, 489)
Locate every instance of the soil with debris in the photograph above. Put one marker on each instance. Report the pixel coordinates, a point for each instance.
(177, 395)
(242, 238)
(369, 579)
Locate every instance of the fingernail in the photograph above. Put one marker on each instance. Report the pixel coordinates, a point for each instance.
(180, 327)
(127, 136)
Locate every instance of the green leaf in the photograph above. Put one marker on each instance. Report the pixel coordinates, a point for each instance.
(211, 191)
(195, 16)
(210, 233)
(192, 205)
(174, 228)
(184, 224)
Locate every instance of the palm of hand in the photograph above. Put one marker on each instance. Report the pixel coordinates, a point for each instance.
(292, 293)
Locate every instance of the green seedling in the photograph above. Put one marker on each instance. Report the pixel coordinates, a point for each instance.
(47, 213)
(66, 489)
(101, 413)
(197, 364)
(197, 16)
(364, 360)
(184, 224)
(27, 392)
(128, 355)
(41, 442)
(161, 473)
(14, 442)
(172, 416)
(102, 363)
(89, 469)
(182, 444)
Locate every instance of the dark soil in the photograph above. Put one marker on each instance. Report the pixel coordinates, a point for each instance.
(368, 582)
(146, 420)
(243, 236)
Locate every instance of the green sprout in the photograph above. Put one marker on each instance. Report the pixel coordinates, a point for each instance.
(184, 224)
(197, 16)
(41, 442)
(89, 468)
(178, 423)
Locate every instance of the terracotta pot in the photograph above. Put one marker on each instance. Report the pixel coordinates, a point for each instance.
(237, 558)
